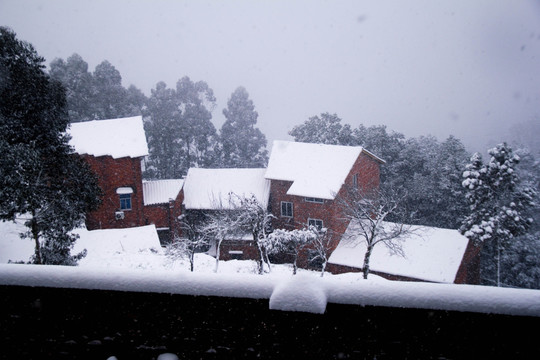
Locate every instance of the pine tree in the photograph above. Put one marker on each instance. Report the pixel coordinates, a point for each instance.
(41, 180)
(499, 203)
(243, 145)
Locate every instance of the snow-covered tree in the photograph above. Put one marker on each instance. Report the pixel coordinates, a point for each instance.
(242, 144)
(254, 217)
(290, 242)
(320, 247)
(197, 135)
(179, 130)
(194, 238)
(162, 125)
(324, 129)
(109, 97)
(41, 180)
(97, 95)
(499, 202)
(218, 225)
(367, 213)
(78, 81)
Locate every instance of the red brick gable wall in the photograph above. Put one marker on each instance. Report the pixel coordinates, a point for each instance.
(368, 177)
(165, 215)
(112, 174)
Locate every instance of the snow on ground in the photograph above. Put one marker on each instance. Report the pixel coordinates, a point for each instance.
(131, 260)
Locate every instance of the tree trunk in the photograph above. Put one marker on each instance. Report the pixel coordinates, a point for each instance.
(366, 261)
(192, 260)
(218, 246)
(498, 263)
(35, 234)
(323, 268)
(267, 261)
(260, 262)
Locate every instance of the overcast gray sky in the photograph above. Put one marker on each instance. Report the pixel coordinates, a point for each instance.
(470, 68)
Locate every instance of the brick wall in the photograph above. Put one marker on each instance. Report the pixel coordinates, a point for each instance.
(165, 215)
(366, 168)
(112, 174)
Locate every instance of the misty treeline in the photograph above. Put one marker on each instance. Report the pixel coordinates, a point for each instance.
(180, 134)
(494, 203)
(177, 119)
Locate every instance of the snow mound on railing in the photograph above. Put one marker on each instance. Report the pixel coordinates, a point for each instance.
(301, 293)
(304, 292)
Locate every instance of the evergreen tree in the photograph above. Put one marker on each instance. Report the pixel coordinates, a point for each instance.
(242, 144)
(179, 130)
(326, 129)
(162, 127)
(78, 81)
(136, 101)
(109, 96)
(499, 204)
(40, 178)
(198, 135)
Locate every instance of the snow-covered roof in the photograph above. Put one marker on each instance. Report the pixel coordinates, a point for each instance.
(212, 188)
(316, 170)
(161, 191)
(431, 254)
(115, 137)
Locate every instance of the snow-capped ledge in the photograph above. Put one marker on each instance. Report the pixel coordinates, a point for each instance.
(298, 293)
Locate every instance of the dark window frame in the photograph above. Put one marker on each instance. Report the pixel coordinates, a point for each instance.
(288, 207)
(125, 202)
(314, 222)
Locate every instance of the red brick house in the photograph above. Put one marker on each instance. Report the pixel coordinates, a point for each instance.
(307, 178)
(115, 149)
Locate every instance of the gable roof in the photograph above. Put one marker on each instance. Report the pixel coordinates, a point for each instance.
(431, 254)
(207, 189)
(316, 170)
(118, 138)
(161, 191)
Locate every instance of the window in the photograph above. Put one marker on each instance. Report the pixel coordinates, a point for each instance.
(125, 197)
(236, 254)
(316, 222)
(314, 200)
(355, 180)
(286, 209)
(125, 201)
